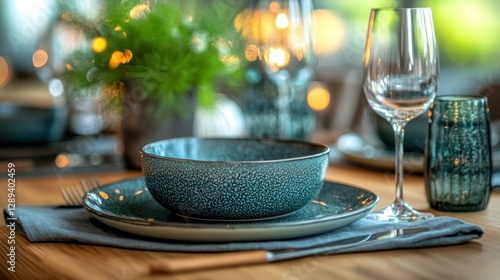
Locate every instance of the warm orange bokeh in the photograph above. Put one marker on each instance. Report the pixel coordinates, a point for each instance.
(5, 71)
(40, 58)
(99, 44)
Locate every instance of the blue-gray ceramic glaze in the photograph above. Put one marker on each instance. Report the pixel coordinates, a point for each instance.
(128, 206)
(234, 178)
(23, 125)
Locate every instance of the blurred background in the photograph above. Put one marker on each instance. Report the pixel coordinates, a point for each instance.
(469, 52)
(44, 133)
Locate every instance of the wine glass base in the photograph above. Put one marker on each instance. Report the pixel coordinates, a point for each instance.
(399, 212)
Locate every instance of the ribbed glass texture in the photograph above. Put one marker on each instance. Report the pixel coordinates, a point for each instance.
(458, 154)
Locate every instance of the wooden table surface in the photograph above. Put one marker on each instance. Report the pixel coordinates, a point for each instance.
(478, 259)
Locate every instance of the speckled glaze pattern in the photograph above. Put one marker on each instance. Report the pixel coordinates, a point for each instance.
(234, 178)
(128, 205)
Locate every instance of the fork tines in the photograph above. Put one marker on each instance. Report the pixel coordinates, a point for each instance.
(73, 194)
(89, 184)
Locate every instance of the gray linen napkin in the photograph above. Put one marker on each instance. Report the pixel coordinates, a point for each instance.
(75, 225)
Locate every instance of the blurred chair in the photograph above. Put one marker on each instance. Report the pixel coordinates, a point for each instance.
(347, 104)
(491, 91)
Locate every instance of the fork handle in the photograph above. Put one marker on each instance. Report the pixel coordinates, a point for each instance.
(210, 261)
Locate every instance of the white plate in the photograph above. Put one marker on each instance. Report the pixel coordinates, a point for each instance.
(127, 205)
(372, 153)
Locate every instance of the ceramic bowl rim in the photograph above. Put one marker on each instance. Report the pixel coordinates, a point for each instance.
(325, 150)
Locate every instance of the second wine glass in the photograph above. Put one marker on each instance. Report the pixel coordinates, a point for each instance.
(401, 72)
(281, 41)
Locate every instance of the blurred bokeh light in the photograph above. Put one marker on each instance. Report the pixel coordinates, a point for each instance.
(40, 58)
(5, 72)
(99, 44)
(468, 31)
(318, 97)
(329, 32)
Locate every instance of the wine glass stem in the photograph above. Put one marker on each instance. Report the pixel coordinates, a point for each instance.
(283, 104)
(399, 135)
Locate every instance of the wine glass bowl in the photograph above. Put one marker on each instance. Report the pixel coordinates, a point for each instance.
(401, 74)
(402, 97)
(280, 38)
(284, 40)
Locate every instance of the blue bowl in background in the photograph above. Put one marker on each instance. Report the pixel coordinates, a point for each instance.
(234, 179)
(415, 133)
(26, 124)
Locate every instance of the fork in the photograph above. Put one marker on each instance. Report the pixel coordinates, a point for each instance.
(73, 195)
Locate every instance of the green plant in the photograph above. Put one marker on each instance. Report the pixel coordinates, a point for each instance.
(167, 48)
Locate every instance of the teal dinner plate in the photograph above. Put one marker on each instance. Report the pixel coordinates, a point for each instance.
(127, 205)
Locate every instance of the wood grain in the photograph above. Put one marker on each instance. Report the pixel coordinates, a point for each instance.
(478, 259)
(212, 261)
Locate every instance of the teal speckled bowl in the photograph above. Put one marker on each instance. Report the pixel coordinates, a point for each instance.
(232, 179)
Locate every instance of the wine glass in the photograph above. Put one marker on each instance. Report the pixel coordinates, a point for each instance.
(401, 72)
(281, 37)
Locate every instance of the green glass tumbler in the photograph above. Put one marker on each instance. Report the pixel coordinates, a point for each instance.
(458, 163)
